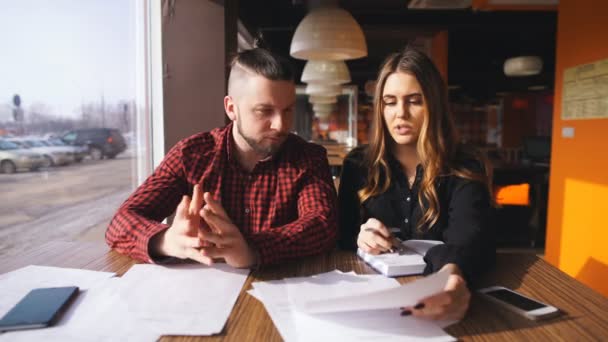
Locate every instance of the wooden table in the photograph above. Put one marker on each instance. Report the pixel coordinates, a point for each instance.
(585, 319)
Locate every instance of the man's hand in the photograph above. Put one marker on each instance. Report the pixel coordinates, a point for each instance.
(452, 303)
(226, 239)
(374, 237)
(182, 239)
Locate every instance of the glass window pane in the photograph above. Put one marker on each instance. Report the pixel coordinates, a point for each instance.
(69, 99)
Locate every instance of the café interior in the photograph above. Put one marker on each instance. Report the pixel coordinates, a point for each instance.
(509, 67)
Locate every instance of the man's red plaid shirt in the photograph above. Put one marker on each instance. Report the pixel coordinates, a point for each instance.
(285, 207)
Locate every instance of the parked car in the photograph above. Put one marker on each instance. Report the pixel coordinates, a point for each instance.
(100, 142)
(79, 152)
(13, 157)
(54, 155)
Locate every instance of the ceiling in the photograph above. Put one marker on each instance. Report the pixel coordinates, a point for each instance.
(478, 41)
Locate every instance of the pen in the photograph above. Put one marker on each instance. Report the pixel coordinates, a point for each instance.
(395, 241)
(395, 244)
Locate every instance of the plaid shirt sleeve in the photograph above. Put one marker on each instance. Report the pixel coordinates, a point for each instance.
(138, 219)
(315, 229)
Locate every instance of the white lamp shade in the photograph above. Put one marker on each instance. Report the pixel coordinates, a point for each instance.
(322, 115)
(328, 33)
(323, 107)
(322, 99)
(523, 66)
(323, 89)
(328, 72)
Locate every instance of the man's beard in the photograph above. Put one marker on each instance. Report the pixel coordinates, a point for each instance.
(264, 151)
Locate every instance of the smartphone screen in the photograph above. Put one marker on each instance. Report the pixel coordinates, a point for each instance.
(515, 299)
(38, 309)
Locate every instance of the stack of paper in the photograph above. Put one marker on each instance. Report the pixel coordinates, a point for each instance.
(97, 314)
(147, 302)
(346, 306)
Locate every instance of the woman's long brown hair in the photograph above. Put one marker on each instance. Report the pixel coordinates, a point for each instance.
(437, 143)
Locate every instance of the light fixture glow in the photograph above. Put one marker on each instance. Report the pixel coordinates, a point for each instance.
(328, 33)
(523, 66)
(328, 72)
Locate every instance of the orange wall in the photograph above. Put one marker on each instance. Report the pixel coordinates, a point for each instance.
(577, 227)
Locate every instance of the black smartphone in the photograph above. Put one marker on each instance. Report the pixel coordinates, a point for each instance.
(38, 309)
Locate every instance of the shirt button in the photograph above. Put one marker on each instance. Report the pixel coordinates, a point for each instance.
(408, 198)
(247, 211)
(407, 220)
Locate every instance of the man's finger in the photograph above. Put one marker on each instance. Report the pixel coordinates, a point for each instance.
(217, 223)
(214, 205)
(212, 237)
(214, 252)
(182, 209)
(197, 200)
(206, 225)
(190, 242)
(204, 228)
(197, 255)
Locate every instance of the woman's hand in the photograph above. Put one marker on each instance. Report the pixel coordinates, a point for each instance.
(374, 237)
(451, 304)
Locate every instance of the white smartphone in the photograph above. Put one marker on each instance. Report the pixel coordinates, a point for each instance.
(518, 303)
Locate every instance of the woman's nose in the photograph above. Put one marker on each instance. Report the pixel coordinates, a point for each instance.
(403, 111)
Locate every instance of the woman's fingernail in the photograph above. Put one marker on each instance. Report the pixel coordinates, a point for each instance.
(406, 312)
(419, 306)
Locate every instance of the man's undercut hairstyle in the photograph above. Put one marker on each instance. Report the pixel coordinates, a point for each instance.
(259, 61)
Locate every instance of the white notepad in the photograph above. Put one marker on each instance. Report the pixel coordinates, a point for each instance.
(408, 261)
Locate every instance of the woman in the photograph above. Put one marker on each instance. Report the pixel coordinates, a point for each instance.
(414, 180)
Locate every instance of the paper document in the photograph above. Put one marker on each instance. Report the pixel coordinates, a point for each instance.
(97, 314)
(16, 284)
(183, 299)
(405, 295)
(279, 298)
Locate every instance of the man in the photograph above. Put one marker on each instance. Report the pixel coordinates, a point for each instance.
(260, 195)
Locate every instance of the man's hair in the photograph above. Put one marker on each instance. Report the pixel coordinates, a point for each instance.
(259, 61)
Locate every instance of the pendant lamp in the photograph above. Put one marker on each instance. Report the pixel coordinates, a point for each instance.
(523, 66)
(328, 33)
(327, 72)
(323, 89)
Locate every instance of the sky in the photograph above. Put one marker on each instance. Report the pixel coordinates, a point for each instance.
(64, 53)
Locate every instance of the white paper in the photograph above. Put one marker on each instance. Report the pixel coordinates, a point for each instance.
(97, 314)
(405, 295)
(16, 284)
(273, 295)
(334, 285)
(385, 325)
(184, 299)
(367, 325)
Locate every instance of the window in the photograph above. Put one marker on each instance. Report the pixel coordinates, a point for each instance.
(78, 85)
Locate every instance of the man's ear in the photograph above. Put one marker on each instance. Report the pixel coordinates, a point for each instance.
(230, 107)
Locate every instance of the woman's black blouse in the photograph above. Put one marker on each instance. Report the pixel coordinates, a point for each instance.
(464, 223)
